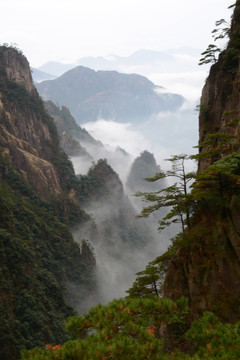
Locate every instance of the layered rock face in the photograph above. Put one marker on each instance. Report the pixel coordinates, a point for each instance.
(17, 68)
(27, 135)
(220, 101)
(207, 268)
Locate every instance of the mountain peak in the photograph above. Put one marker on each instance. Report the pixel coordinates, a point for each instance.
(91, 95)
(16, 66)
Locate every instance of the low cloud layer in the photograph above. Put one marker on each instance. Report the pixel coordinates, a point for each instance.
(165, 134)
(113, 134)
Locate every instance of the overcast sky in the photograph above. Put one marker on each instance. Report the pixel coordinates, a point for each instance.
(70, 29)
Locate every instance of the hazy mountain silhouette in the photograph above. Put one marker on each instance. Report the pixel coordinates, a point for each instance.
(108, 94)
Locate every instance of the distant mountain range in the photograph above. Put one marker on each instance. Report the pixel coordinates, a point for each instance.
(39, 75)
(93, 94)
(162, 60)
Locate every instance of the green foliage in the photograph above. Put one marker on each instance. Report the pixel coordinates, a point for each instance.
(209, 55)
(90, 187)
(211, 339)
(175, 197)
(37, 256)
(12, 46)
(148, 282)
(17, 96)
(67, 210)
(215, 145)
(144, 325)
(123, 329)
(203, 108)
(231, 54)
(219, 182)
(132, 329)
(221, 31)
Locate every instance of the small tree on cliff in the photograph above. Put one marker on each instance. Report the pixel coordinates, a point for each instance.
(209, 55)
(175, 197)
(221, 31)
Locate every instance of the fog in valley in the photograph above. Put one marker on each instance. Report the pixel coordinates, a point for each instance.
(135, 149)
(123, 244)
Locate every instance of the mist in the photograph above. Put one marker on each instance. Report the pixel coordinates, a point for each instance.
(118, 258)
(165, 134)
(123, 244)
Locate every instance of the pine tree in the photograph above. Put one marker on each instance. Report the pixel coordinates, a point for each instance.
(175, 197)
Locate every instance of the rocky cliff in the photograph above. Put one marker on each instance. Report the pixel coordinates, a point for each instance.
(220, 105)
(28, 137)
(71, 135)
(206, 267)
(38, 258)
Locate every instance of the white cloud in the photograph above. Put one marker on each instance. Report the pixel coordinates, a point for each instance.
(115, 134)
(188, 84)
(164, 135)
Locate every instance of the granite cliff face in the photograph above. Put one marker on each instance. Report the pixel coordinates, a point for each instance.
(220, 101)
(17, 68)
(27, 137)
(207, 267)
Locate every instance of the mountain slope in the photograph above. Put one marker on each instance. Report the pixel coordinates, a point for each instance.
(72, 136)
(39, 75)
(38, 255)
(108, 94)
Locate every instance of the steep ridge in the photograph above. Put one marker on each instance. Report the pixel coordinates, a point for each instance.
(72, 136)
(82, 148)
(64, 121)
(107, 195)
(144, 166)
(206, 268)
(122, 242)
(28, 136)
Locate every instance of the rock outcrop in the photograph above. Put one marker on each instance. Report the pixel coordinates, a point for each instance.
(27, 137)
(220, 101)
(17, 68)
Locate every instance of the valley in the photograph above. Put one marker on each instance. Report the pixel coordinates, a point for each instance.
(118, 239)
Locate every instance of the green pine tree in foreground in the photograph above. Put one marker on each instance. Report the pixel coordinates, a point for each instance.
(131, 329)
